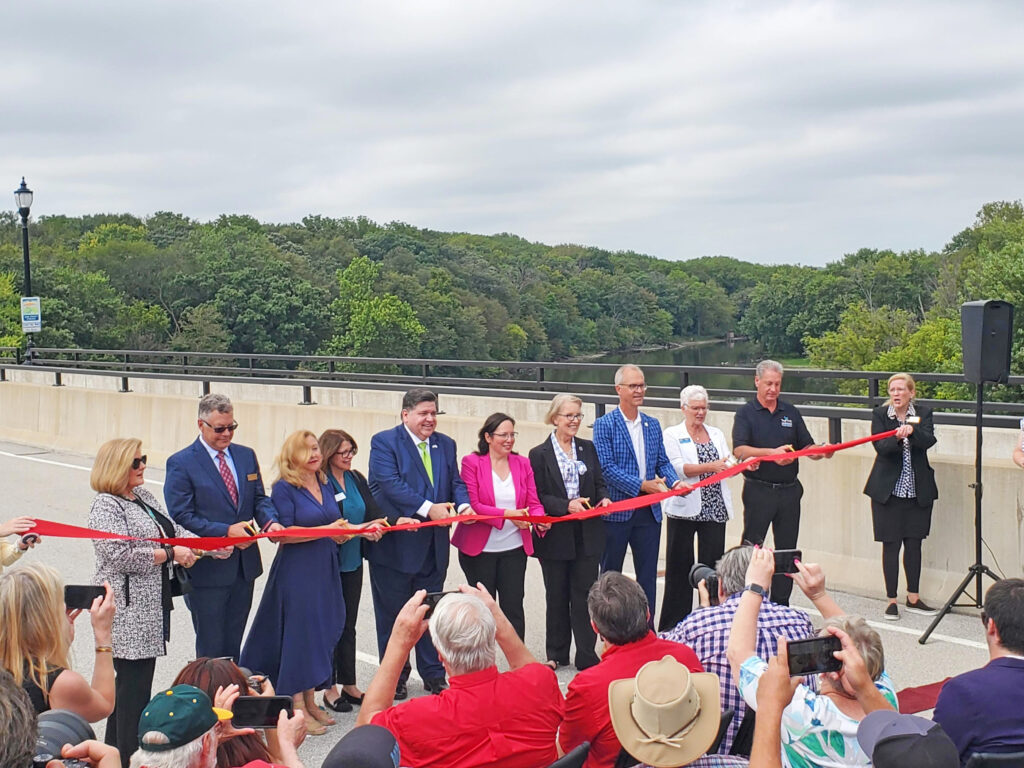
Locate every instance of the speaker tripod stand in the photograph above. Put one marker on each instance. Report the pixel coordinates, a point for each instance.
(978, 569)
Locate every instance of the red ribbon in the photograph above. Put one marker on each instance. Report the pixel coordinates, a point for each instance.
(61, 530)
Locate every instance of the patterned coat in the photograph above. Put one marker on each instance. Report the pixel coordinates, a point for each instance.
(133, 576)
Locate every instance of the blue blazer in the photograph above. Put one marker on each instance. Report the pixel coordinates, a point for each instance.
(399, 484)
(618, 462)
(198, 500)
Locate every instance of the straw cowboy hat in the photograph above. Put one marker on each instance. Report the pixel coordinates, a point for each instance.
(666, 716)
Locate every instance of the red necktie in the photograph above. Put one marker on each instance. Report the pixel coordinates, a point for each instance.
(225, 474)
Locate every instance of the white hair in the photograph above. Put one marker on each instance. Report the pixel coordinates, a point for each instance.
(186, 756)
(692, 392)
(462, 629)
(619, 374)
(767, 365)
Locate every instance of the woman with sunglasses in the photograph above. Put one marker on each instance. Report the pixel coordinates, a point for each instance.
(569, 479)
(141, 576)
(500, 485)
(357, 507)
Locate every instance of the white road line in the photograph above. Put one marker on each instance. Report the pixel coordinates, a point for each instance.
(53, 463)
(881, 625)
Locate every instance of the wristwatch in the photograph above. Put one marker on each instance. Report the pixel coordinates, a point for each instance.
(757, 589)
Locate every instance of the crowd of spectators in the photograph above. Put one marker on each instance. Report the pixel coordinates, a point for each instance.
(713, 689)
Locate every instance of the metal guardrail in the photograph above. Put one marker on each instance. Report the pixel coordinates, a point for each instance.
(489, 378)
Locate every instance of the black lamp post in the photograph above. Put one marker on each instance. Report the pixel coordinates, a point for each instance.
(23, 197)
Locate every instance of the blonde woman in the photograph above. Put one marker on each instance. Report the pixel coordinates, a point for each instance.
(36, 637)
(141, 576)
(302, 613)
(902, 490)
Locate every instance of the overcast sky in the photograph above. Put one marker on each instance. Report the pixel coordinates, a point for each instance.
(767, 131)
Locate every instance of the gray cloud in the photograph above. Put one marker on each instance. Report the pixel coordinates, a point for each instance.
(769, 131)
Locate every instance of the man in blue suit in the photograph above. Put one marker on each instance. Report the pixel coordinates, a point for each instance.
(626, 440)
(413, 477)
(214, 488)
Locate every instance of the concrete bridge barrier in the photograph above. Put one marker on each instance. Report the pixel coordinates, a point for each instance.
(836, 525)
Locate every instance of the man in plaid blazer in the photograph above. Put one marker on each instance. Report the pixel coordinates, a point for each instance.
(625, 440)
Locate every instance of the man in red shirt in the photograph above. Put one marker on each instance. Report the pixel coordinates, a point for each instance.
(486, 719)
(619, 614)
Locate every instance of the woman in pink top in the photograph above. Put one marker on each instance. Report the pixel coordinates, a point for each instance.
(500, 485)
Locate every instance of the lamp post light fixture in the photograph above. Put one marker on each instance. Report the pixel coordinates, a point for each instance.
(23, 197)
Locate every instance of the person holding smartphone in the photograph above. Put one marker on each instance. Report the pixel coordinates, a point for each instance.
(239, 747)
(36, 632)
(10, 553)
(820, 728)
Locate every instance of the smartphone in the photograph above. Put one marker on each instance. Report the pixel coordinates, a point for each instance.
(785, 560)
(81, 595)
(260, 711)
(814, 655)
(431, 599)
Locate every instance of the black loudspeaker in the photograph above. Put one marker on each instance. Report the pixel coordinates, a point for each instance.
(987, 332)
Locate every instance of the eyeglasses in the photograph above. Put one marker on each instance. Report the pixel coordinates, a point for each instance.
(505, 435)
(221, 430)
(572, 416)
(139, 462)
(348, 454)
(634, 387)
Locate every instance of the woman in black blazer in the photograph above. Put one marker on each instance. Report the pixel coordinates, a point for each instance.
(567, 472)
(902, 489)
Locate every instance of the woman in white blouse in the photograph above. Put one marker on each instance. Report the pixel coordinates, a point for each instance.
(696, 450)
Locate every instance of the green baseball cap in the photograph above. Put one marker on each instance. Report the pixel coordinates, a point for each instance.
(182, 714)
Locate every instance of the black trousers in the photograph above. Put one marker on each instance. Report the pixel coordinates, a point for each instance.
(504, 575)
(345, 650)
(678, 599)
(567, 583)
(779, 506)
(133, 688)
(911, 565)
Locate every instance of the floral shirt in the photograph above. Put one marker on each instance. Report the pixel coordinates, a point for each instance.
(814, 732)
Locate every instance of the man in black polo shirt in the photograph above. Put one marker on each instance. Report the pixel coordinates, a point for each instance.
(771, 493)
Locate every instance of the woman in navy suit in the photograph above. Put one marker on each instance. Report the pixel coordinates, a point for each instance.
(568, 475)
(302, 613)
(902, 489)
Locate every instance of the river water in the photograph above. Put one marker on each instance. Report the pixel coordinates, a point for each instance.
(738, 353)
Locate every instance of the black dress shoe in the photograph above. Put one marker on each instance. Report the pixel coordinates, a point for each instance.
(357, 700)
(401, 691)
(435, 685)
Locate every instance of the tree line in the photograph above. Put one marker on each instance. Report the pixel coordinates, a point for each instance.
(350, 286)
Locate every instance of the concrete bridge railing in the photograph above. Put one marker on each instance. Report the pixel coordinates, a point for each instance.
(836, 525)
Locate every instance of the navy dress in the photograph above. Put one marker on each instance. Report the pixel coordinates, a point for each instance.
(302, 613)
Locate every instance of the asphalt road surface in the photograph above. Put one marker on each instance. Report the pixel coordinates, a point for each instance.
(55, 486)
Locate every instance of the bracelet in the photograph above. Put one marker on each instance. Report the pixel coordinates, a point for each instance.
(169, 552)
(104, 649)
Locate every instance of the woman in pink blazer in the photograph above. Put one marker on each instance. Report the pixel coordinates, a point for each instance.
(500, 485)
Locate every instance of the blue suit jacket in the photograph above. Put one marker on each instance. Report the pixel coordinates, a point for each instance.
(399, 484)
(198, 500)
(618, 462)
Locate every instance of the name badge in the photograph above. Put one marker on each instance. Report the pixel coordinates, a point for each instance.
(339, 496)
(252, 476)
(914, 420)
(683, 440)
(786, 422)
